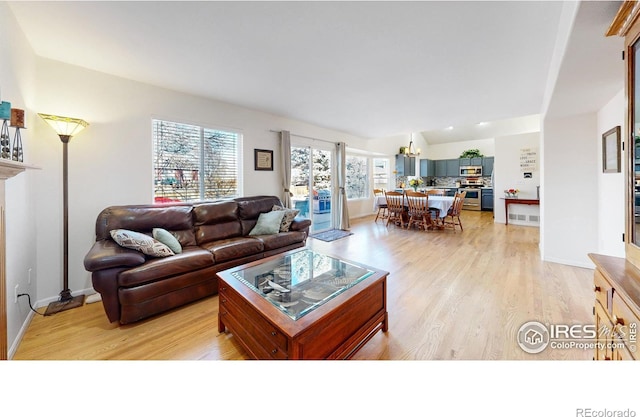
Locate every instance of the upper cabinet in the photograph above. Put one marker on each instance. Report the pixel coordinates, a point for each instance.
(487, 166)
(405, 165)
(427, 168)
(470, 162)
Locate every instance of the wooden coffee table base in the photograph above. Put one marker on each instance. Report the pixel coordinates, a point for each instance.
(335, 330)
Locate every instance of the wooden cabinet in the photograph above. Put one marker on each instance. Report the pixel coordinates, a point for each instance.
(405, 165)
(427, 168)
(441, 168)
(453, 167)
(487, 166)
(616, 285)
(466, 162)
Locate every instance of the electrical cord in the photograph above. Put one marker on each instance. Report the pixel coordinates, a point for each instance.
(29, 298)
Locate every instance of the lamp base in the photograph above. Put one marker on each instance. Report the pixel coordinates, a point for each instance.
(62, 305)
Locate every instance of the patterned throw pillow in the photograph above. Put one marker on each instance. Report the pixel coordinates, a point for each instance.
(141, 242)
(167, 238)
(289, 215)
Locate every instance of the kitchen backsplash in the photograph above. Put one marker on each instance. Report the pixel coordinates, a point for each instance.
(440, 181)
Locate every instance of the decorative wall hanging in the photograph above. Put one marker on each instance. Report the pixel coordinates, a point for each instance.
(5, 110)
(611, 150)
(263, 159)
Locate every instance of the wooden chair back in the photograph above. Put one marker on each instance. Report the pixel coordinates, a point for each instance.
(378, 192)
(395, 207)
(436, 192)
(458, 201)
(418, 211)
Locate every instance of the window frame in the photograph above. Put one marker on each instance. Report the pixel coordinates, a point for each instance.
(202, 127)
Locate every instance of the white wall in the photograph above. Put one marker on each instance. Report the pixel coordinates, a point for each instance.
(611, 202)
(569, 189)
(454, 149)
(508, 174)
(17, 87)
(110, 161)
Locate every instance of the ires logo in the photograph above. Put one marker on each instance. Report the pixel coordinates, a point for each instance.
(534, 337)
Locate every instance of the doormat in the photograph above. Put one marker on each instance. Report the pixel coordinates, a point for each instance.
(331, 235)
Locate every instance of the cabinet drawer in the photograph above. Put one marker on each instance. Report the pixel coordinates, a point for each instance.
(602, 290)
(240, 308)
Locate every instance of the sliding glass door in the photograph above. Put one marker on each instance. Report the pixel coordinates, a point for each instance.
(311, 185)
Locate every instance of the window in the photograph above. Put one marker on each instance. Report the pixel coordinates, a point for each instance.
(381, 173)
(357, 183)
(194, 163)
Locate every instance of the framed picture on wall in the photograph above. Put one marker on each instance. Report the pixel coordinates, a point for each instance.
(263, 159)
(611, 150)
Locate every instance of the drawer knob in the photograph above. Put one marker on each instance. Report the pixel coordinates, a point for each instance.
(273, 333)
(596, 288)
(618, 320)
(274, 351)
(222, 300)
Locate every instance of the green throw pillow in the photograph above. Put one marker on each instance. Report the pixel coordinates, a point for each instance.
(167, 238)
(268, 223)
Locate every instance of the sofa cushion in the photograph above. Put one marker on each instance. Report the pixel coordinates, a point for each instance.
(234, 248)
(143, 218)
(216, 221)
(190, 259)
(281, 239)
(289, 215)
(141, 242)
(268, 223)
(167, 238)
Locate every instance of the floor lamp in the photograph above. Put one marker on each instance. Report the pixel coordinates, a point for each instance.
(65, 127)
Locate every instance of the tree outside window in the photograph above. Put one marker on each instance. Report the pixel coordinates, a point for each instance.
(357, 181)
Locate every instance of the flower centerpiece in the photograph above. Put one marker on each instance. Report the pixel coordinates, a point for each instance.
(415, 182)
(511, 193)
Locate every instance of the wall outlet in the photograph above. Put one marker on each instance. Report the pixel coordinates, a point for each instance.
(29, 273)
(15, 300)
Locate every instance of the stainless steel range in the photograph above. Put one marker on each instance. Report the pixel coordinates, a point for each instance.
(473, 199)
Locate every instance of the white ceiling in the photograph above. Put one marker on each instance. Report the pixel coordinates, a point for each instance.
(372, 69)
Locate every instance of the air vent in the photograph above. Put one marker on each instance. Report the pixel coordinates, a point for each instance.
(534, 218)
(522, 217)
(512, 216)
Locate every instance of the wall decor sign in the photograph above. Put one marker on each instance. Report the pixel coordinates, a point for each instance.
(528, 159)
(263, 159)
(611, 150)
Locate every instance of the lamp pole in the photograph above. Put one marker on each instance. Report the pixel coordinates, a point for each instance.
(65, 294)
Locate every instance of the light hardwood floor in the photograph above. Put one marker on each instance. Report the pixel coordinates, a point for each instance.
(451, 295)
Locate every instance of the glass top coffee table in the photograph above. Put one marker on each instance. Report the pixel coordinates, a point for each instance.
(302, 304)
(300, 282)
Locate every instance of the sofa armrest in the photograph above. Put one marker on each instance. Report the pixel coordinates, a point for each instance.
(105, 254)
(300, 225)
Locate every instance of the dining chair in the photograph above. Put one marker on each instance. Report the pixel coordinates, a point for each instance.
(435, 212)
(436, 191)
(419, 213)
(452, 219)
(382, 207)
(395, 207)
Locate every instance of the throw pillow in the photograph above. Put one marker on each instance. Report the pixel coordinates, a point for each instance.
(141, 242)
(289, 215)
(167, 238)
(268, 223)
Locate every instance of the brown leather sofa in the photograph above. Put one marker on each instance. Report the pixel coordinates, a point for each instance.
(213, 235)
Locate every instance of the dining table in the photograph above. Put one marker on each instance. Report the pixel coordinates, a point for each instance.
(440, 202)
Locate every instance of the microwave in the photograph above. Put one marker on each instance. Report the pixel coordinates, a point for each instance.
(470, 171)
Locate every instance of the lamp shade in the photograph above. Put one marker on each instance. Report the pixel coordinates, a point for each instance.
(64, 126)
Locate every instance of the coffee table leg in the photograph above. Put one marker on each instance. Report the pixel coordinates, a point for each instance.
(221, 327)
(385, 322)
